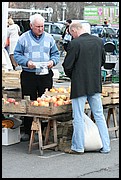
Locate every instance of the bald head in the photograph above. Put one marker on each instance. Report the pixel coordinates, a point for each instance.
(76, 29)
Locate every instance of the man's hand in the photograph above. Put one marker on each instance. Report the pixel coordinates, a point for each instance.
(31, 65)
(50, 64)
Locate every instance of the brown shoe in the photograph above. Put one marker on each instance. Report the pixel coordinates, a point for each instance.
(70, 151)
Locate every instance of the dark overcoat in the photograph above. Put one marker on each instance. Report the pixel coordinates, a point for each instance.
(82, 64)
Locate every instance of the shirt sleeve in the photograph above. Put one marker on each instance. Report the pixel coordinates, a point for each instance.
(54, 54)
(19, 55)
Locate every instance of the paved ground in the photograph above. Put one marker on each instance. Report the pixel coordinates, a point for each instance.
(18, 163)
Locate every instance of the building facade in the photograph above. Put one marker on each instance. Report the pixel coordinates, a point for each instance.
(98, 14)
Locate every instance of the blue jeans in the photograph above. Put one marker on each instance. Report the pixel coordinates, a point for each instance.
(78, 106)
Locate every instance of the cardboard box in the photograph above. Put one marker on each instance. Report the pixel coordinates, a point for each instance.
(10, 136)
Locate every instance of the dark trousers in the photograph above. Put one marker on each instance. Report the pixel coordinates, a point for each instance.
(34, 86)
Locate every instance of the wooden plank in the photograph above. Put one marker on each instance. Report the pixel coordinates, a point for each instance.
(11, 73)
(113, 128)
(114, 94)
(6, 85)
(106, 100)
(49, 146)
(113, 87)
(114, 100)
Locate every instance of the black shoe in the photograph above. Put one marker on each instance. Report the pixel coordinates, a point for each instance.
(25, 137)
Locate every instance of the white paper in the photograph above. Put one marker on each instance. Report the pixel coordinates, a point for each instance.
(41, 68)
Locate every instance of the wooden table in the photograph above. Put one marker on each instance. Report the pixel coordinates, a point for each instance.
(36, 127)
(111, 111)
(52, 123)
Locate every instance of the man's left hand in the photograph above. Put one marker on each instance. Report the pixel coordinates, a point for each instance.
(50, 64)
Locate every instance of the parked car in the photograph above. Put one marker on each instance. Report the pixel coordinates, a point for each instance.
(108, 32)
(55, 29)
(96, 30)
(104, 31)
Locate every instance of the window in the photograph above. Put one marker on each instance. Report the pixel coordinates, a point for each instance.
(46, 28)
(55, 29)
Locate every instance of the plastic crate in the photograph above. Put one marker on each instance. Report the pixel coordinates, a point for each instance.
(103, 74)
(105, 78)
(10, 136)
(115, 76)
(115, 79)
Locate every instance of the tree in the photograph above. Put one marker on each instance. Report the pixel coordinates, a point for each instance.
(74, 10)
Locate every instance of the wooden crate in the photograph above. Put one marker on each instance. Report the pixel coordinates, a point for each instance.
(11, 79)
(48, 93)
(14, 83)
(12, 93)
(114, 97)
(114, 100)
(12, 108)
(113, 87)
(51, 110)
(113, 92)
(11, 73)
(106, 100)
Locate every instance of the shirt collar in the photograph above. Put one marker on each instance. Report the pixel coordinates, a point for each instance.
(36, 37)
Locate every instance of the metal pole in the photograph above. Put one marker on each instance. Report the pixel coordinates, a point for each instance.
(63, 15)
(63, 8)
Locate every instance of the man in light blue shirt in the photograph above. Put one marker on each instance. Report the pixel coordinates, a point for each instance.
(33, 47)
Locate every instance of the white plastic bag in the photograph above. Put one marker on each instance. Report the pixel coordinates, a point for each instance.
(92, 137)
(67, 37)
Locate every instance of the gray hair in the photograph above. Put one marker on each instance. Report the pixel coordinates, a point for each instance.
(36, 16)
(75, 25)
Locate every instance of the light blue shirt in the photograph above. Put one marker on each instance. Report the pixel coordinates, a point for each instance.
(42, 49)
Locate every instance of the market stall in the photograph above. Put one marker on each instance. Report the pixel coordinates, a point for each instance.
(51, 114)
(60, 110)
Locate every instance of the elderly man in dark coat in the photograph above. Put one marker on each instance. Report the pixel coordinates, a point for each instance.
(83, 61)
